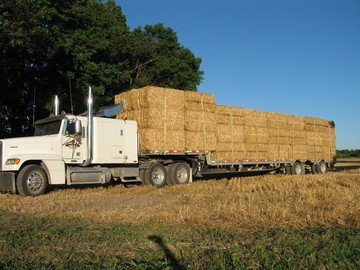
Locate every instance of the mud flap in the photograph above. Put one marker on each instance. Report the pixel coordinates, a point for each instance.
(7, 182)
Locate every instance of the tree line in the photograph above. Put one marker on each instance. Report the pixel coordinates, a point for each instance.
(348, 153)
(60, 47)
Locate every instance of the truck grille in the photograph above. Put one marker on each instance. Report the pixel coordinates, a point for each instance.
(1, 154)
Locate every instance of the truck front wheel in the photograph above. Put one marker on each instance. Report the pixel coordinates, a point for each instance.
(32, 181)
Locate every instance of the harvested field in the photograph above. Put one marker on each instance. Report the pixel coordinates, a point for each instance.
(273, 221)
(252, 202)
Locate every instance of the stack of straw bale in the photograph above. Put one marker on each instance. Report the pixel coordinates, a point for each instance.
(170, 119)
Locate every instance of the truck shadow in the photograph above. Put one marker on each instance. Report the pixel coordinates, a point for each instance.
(170, 257)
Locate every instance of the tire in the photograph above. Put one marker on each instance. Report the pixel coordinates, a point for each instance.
(321, 167)
(144, 180)
(156, 175)
(180, 173)
(169, 169)
(32, 181)
(297, 169)
(287, 169)
(314, 169)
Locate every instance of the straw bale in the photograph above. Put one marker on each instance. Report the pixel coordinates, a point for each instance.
(199, 97)
(200, 121)
(257, 119)
(158, 140)
(228, 133)
(298, 133)
(198, 106)
(131, 115)
(159, 97)
(200, 141)
(228, 146)
(256, 147)
(155, 118)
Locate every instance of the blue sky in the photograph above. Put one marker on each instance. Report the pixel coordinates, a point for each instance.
(297, 57)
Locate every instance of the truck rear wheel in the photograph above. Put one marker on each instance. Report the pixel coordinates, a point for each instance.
(321, 167)
(297, 168)
(179, 173)
(314, 169)
(143, 178)
(156, 175)
(32, 181)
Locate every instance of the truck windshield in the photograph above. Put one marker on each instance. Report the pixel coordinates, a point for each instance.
(47, 128)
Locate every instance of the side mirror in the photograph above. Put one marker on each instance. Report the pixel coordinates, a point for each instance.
(78, 126)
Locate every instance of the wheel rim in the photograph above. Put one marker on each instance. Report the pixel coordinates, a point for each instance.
(34, 182)
(158, 176)
(182, 174)
(297, 169)
(322, 167)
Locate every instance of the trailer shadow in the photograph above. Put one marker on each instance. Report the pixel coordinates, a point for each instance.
(229, 175)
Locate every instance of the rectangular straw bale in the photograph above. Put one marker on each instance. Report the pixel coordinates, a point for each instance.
(228, 146)
(256, 118)
(227, 133)
(299, 133)
(198, 141)
(256, 147)
(170, 119)
(228, 114)
(156, 140)
(198, 106)
(159, 97)
(131, 115)
(199, 97)
(299, 141)
(199, 121)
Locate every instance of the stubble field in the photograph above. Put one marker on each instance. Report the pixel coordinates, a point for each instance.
(272, 221)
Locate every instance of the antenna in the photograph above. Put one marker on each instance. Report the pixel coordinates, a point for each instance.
(34, 106)
(71, 103)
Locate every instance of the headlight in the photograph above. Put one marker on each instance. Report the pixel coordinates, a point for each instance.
(12, 161)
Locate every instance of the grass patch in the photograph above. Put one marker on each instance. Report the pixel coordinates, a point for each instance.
(67, 242)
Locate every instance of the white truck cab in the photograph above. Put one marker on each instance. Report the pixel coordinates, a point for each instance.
(66, 150)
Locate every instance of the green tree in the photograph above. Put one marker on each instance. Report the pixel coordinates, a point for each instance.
(160, 60)
(47, 46)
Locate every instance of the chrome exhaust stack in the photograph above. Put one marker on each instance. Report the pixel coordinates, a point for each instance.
(56, 105)
(89, 157)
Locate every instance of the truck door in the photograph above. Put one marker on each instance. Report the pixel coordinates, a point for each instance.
(73, 144)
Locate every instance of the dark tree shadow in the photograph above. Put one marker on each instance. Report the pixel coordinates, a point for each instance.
(169, 255)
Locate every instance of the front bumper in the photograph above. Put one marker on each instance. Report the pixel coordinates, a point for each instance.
(7, 182)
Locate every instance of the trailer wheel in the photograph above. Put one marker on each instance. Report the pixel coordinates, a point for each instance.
(156, 175)
(180, 173)
(297, 168)
(287, 169)
(169, 169)
(321, 167)
(314, 169)
(32, 181)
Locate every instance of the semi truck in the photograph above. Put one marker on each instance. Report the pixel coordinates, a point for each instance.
(95, 148)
